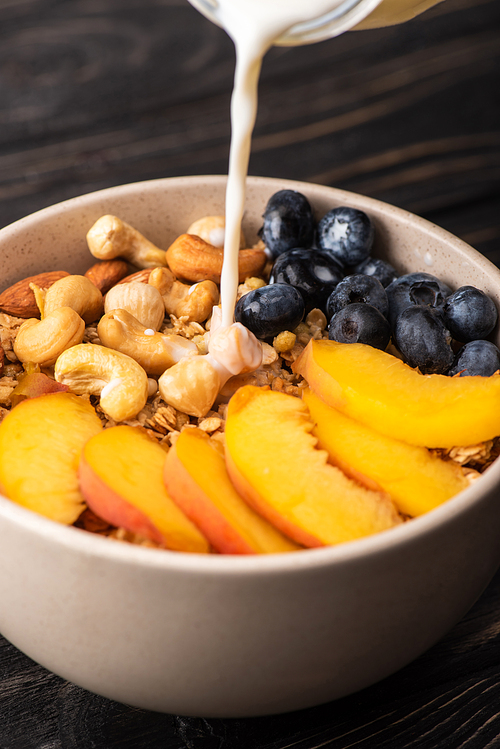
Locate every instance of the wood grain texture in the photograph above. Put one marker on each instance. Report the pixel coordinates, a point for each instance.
(95, 93)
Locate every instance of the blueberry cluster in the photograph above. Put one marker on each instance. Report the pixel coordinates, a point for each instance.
(329, 266)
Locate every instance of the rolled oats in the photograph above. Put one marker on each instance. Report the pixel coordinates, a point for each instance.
(294, 353)
(269, 355)
(9, 327)
(120, 534)
(477, 457)
(210, 424)
(9, 321)
(13, 369)
(470, 474)
(7, 385)
(316, 321)
(181, 421)
(91, 335)
(277, 384)
(181, 326)
(219, 437)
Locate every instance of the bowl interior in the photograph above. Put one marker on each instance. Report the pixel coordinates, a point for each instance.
(54, 239)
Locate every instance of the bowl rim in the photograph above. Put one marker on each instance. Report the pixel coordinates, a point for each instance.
(220, 180)
(93, 545)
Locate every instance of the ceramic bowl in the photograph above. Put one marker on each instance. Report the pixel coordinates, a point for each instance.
(229, 636)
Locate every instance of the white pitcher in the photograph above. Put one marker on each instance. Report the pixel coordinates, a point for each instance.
(343, 15)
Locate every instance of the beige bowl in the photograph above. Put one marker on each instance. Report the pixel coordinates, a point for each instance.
(233, 636)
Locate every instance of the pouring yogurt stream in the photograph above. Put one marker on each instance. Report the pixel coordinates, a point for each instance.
(254, 26)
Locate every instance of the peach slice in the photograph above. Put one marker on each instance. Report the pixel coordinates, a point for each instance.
(121, 478)
(274, 464)
(416, 479)
(34, 384)
(382, 392)
(40, 444)
(197, 480)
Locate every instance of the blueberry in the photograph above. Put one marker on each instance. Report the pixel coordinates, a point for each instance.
(470, 314)
(288, 222)
(398, 293)
(314, 274)
(381, 269)
(269, 310)
(346, 234)
(427, 294)
(357, 288)
(360, 323)
(480, 358)
(423, 340)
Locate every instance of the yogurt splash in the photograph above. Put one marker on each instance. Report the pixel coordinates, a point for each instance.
(253, 25)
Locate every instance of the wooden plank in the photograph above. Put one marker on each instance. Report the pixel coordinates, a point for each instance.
(94, 94)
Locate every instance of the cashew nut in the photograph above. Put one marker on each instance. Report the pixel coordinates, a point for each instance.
(39, 295)
(191, 258)
(162, 279)
(182, 300)
(95, 370)
(155, 352)
(111, 237)
(142, 300)
(198, 303)
(76, 292)
(192, 385)
(213, 229)
(42, 341)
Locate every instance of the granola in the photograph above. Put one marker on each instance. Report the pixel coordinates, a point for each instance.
(163, 422)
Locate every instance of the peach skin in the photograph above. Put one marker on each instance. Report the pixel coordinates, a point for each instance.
(34, 384)
(274, 463)
(40, 444)
(196, 478)
(121, 478)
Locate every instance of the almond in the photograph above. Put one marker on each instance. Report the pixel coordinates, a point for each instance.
(193, 259)
(141, 275)
(2, 358)
(107, 273)
(18, 300)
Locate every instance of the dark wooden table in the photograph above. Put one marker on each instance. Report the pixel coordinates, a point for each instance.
(94, 94)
